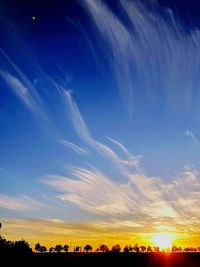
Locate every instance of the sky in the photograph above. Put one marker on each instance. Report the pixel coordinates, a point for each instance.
(99, 121)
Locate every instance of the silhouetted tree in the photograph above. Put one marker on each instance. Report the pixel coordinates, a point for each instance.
(126, 249)
(58, 248)
(143, 248)
(136, 248)
(5, 246)
(66, 248)
(190, 249)
(40, 248)
(130, 248)
(103, 248)
(37, 247)
(77, 249)
(149, 249)
(43, 249)
(21, 246)
(88, 248)
(116, 248)
(176, 249)
(51, 249)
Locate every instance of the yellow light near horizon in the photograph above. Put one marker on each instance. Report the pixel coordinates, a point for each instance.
(162, 240)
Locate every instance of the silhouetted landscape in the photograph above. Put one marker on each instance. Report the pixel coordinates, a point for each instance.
(20, 253)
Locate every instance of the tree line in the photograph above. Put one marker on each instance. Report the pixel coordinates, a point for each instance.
(22, 246)
(115, 248)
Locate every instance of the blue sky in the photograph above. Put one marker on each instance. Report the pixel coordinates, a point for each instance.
(99, 111)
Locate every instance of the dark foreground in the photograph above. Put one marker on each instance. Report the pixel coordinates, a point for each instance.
(104, 259)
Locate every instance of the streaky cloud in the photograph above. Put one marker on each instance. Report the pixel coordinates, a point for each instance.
(190, 134)
(29, 95)
(141, 199)
(122, 147)
(22, 86)
(148, 48)
(79, 150)
(131, 159)
(118, 42)
(102, 191)
(19, 203)
(19, 89)
(51, 229)
(84, 133)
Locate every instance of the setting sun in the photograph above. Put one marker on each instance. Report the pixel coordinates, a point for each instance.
(163, 240)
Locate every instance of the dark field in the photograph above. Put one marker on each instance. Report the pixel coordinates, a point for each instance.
(104, 259)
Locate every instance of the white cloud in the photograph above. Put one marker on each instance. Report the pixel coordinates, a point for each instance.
(131, 160)
(19, 89)
(84, 133)
(79, 150)
(190, 134)
(140, 200)
(122, 147)
(19, 203)
(77, 120)
(28, 94)
(149, 49)
(138, 196)
(22, 86)
(55, 220)
(118, 40)
(91, 185)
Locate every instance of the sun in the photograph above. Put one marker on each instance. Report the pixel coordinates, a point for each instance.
(162, 240)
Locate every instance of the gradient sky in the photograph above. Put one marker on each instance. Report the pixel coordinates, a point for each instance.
(99, 121)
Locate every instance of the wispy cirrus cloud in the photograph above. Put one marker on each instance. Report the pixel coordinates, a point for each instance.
(22, 86)
(30, 96)
(79, 150)
(19, 203)
(118, 43)
(27, 93)
(102, 191)
(19, 89)
(150, 51)
(84, 133)
(50, 231)
(141, 200)
(190, 134)
(130, 160)
(122, 147)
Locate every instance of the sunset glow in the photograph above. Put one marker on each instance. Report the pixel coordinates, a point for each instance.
(163, 240)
